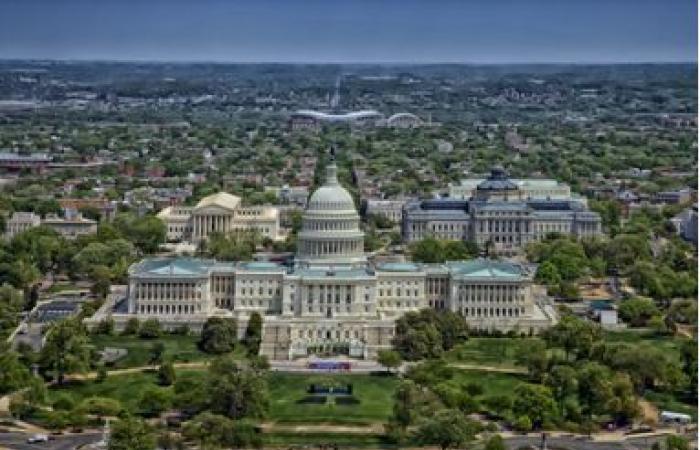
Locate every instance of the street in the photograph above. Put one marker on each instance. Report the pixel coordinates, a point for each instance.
(18, 441)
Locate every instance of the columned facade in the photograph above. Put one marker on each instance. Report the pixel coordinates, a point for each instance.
(331, 300)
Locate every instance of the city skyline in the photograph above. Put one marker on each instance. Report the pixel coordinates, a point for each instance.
(390, 31)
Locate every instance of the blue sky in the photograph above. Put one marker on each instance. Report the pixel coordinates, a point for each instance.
(412, 31)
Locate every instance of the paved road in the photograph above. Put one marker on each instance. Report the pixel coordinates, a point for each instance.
(582, 443)
(18, 441)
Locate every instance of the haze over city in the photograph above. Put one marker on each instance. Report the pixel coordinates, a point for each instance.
(410, 31)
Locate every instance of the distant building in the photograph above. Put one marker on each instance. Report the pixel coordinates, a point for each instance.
(72, 206)
(309, 119)
(498, 214)
(389, 209)
(673, 197)
(291, 195)
(19, 222)
(15, 161)
(221, 212)
(71, 227)
(686, 224)
(404, 120)
(528, 188)
(604, 312)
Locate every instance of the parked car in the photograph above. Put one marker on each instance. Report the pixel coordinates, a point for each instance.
(35, 439)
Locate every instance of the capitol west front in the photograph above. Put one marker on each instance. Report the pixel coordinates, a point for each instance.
(331, 299)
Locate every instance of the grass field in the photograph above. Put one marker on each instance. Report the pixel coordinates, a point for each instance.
(666, 343)
(492, 383)
(374, 393)
(177, 348)
(126, 388)
(489, 351)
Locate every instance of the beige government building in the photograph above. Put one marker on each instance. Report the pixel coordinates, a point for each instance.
(223, 213)
(331, 298)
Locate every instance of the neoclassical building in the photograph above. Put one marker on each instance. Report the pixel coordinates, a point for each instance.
(220, 212)
(501, 213)
(331, 297)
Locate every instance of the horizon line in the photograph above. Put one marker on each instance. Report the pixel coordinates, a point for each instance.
(349, 62)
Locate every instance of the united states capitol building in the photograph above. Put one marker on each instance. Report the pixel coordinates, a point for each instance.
(331, 298)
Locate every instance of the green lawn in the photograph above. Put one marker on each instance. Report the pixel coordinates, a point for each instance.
(374, 393)
(178, 348)
(489, 351)
(667, 343)
(492, 383)
(126, 388)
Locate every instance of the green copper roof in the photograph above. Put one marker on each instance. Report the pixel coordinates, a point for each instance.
(181, 267)
(399, 267)
(261, 265)
(485, 268)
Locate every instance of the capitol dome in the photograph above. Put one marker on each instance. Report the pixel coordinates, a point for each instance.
(331, 196)
(330, 234)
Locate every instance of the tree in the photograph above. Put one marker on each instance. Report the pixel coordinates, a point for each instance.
(689, 361)
(105, 326)
(147, 232)
(389, 358)
(675, 442)
(623, 405)
(447, 429)
(153, 401)
(166, 374)
(100, 406)
(534, 402)
(428, 333)
(562, 380)
(14, 375)
(212, 431)
(548, 274)
(535, 358)
(495, 442)
(66, 348)
(637, 311)
(594, 388)
(156, 353)
(218, 336)
(101, 281)
(149, 329)
(405, 404)
(131, 434)
(131, 327)
(11, 303)
(576, 336)
(253, 333)
(236, 392)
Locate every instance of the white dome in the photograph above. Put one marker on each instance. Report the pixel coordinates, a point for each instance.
(331, 196)
(330, 232)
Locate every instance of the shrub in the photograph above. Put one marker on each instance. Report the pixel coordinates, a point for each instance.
(131, 327)
(166, 374)
(63, 402)
(150, 329)
(153, 402)
(523, 423)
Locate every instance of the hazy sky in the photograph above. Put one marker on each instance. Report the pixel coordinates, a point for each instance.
(476, 31)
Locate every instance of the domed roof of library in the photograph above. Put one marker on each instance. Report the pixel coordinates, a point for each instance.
(331, 196)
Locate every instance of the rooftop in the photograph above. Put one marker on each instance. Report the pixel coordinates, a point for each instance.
(183, 267)
(485, 268)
